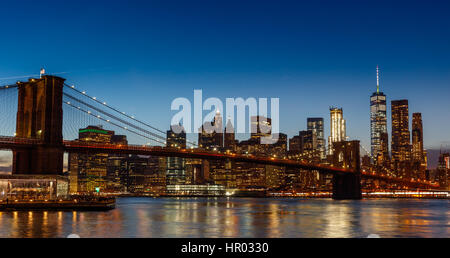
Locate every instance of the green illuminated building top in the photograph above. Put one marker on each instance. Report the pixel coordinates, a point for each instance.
(93, 131)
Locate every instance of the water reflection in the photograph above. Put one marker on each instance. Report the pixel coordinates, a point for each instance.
(232, 218)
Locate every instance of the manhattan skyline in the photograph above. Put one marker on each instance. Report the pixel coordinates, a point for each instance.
(243, 122)
(308, 62)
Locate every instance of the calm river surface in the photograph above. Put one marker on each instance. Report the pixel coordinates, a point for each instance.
(235, 217)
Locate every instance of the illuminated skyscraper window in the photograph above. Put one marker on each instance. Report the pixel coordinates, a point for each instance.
(401, 146)
(316, 125)
(338, 127)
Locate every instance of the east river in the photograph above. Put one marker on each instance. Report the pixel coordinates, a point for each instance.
(239, 217)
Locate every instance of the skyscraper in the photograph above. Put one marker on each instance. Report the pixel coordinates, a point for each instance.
(316, 125)
(218, 129)
(378, 124)
(417, 138)
(400, 145)
(308, 141)
(418, 153)
(338, 127)
(443, 171)
(261, 127)
(211, 133)
(176, 140)
(229, 138)
(89, 171)
(295, 145)
(176, 172)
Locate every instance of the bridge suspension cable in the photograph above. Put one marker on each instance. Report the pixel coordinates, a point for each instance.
(132, 118)
(8, 107)
(11, 86)
(114, 117)
(112, 108)
(388, 171)
(112, 123)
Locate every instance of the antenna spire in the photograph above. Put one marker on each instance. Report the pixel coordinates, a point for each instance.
(378, 79)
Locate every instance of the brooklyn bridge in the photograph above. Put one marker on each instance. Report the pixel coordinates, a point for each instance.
(47, 111)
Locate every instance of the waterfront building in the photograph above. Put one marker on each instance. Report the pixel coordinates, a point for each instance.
(221, 173)
(443, 171)
(275, 177)
(33, 187)
(196, 190)
(378, 125)
(250, 176)
(156, 177)
(137, 168)
(88, 172)
(117, 172)
(195, 172)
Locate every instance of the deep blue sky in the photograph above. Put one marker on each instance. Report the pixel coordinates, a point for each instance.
(140, 55)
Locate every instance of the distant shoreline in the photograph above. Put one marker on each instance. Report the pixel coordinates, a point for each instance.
(270, 197)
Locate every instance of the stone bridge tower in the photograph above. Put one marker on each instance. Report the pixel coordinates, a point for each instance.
(40, 117)
(347, 185)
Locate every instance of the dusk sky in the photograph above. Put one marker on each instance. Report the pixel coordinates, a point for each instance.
(140, 55)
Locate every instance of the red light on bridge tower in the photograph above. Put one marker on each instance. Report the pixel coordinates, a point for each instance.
(40, 116)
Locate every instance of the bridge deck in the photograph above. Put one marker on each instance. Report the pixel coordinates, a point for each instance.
(11, 143)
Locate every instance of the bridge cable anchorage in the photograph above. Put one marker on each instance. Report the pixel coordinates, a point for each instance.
(112, 123)
(83, 93)
(114, 117)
